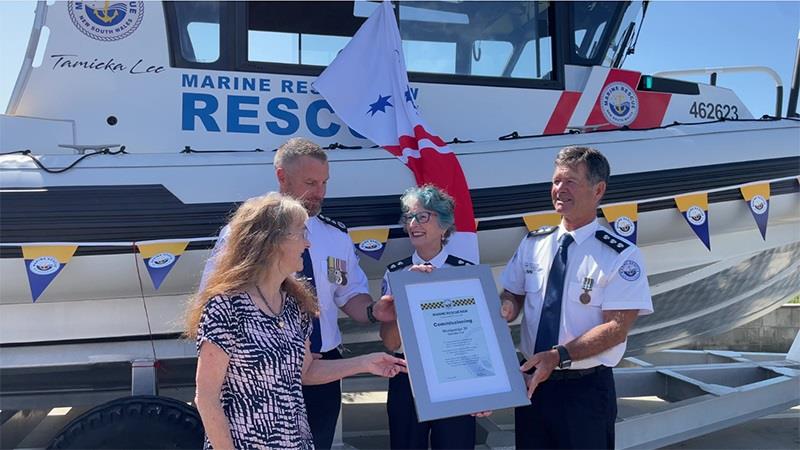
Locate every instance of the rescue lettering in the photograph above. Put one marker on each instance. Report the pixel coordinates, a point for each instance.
(282, 113)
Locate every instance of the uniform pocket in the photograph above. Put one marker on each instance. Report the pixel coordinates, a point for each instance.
(533, 282)
(575, 290)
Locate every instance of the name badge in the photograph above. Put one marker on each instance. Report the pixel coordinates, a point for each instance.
(337, 271)
(531, 267)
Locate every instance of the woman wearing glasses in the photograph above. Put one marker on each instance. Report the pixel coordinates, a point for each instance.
(428, 218)
(252, 323)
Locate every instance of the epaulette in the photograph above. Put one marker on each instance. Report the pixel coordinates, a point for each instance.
(616, 243)
(456, 261)
(543, 231)
(333, 223)
(397, 265)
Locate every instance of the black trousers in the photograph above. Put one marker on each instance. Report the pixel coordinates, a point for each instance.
(569, 413)
(323, 403)
(407, 432)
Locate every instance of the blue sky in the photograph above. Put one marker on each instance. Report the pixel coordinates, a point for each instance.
(676, 35)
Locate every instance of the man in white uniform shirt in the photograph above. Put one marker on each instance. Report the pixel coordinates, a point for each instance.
(581, 288)
(331, 265)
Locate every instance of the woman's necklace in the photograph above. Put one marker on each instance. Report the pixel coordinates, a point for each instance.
(280, 309)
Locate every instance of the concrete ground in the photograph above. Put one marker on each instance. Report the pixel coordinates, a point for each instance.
(365, 426)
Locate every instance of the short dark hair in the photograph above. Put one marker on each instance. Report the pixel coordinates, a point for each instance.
(596, 164)
(294, 148)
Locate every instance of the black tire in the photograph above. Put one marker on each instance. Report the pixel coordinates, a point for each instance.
(140, 422)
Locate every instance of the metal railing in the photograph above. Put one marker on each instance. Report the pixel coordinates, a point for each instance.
(713, 71)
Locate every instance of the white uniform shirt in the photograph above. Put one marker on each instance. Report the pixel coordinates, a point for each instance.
(619, 282)
(331, 247)
(438, 261)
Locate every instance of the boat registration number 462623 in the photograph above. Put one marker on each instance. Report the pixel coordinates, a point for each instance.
(714, 111)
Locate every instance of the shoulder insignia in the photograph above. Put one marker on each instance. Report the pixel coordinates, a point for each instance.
(456, 261)
(333, 223)
(397, 265)
(543, 231)
(616, 243)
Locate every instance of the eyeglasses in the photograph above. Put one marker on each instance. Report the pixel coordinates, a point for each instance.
(421, 217)
(297, 235)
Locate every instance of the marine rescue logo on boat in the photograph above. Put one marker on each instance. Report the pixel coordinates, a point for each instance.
(161, 260)
(44, 265)
(106, 21)
(696, 215)
(758, 204)
(619, 104)
(624, 226)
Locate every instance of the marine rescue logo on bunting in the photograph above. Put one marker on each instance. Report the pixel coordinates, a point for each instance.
(160, 258)
(43, 263)
(757, 198)
(623, 219)
(371, 242)
(535, 221)
(694, 208)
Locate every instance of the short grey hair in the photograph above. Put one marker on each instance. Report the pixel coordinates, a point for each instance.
(295, 148)
(433, 199)
(597, 166)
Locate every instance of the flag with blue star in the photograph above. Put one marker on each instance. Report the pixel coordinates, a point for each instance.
(380, 104)
(367, 85)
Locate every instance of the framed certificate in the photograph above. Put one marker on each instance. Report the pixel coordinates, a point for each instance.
(458, 348)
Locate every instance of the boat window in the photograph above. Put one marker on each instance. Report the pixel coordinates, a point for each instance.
(592, 23)
(198, 30)
(287, 33)
(625, 35)
(505, 43)
(487, 39)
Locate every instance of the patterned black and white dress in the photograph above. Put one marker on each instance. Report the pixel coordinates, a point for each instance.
(262, 393)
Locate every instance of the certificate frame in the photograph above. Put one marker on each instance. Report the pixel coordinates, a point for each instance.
(458, 348)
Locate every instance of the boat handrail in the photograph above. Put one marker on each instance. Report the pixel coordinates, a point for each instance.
(713, 71)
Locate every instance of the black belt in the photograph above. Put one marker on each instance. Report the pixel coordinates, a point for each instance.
(574, 374)
(565, 374)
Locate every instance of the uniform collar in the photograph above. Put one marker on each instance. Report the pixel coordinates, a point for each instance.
(581, 234)
(313, 221)
(436, 261)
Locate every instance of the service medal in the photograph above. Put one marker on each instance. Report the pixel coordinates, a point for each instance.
(337, 271)
(588, 284)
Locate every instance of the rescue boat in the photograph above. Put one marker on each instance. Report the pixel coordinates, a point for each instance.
(145, 122)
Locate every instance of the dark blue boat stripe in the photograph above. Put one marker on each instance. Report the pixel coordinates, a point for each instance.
(147, 212)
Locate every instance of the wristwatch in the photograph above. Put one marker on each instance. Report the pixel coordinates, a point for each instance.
(370, 315)
(564, 360)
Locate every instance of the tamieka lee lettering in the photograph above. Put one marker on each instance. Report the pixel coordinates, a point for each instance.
(65, 61)
(274, 106)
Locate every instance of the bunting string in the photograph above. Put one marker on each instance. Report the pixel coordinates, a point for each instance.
(44, 261)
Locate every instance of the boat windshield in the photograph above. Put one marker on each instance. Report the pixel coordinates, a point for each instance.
(497, 43)
(602, 31)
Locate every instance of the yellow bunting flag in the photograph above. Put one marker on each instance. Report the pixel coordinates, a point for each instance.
(43, 263)
(757, 198)
(624, 219)
(160, 258)
(370, 241)
(539, 220)
(694, 208)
